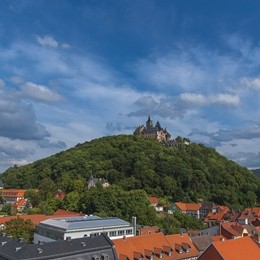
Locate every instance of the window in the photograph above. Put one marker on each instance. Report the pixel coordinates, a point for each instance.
(95, 257)
(94, 234)
(112, 233)
(105, 257)
(129, 232)
(121, 232)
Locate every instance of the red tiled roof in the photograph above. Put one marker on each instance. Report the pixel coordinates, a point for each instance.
(20, 203)
(146, 230)
(130, 246)
(218, 238)
(153, 200)
(232, 249)
(214, 217)
(169, 246)
(13, 193)
(255, 211)
(232, 229)
(223, 208)
(184, 241)
(37, 218)
(188, 206)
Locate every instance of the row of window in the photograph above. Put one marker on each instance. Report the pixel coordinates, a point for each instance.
(115, 233)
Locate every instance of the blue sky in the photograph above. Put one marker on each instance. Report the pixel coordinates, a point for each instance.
(72, 71)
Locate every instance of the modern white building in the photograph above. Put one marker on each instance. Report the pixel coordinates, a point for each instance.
(83, 226)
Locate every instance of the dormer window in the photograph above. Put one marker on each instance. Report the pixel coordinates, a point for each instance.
(104, 257)
(186, 247)
(148, 254)
(138, 256)
(167, 250)
(158, 252)
(178, 248)
(95, 257)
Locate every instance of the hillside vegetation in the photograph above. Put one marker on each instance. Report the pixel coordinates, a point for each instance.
(184, 172)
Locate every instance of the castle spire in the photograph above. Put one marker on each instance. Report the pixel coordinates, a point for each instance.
(149, 122)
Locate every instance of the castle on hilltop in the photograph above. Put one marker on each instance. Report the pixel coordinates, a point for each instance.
(153, 132)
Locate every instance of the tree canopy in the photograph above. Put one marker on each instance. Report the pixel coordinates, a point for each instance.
(183, 172)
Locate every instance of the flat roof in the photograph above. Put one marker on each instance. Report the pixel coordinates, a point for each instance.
(83, 222)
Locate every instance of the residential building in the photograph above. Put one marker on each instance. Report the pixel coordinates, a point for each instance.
(60, 194)
(206, 208)
(83, 226)
(146, 230)
(213, 219)
(212, 231)
(156, 246)
(12, 195)
(37, 218)
(183, 247)
(202, 242)
(155, 203)
(20, 206)
(191, 209)
(232, 230)
(233, 249)
(222, 208)
(92, 182)
(96, 248)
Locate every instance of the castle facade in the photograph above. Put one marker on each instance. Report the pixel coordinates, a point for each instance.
(156, 132)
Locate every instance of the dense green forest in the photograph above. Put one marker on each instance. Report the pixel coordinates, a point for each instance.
(256, 172)
(180, 173)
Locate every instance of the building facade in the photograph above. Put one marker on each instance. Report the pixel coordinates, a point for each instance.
(150, 131)
(83, 226)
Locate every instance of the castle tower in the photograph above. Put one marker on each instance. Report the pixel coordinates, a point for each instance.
(149, 123)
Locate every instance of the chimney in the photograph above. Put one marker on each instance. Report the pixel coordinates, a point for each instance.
(134, 225)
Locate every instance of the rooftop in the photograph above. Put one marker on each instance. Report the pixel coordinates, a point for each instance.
(15, 249)
(83, 222)
(188, 206)
(232, 249)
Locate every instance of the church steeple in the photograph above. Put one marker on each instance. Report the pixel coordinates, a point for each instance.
(149, 123)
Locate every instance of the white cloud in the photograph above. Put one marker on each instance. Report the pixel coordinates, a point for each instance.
(200, 99)
(39, 92)
(47, 41)
(250, 83)
(194, 98)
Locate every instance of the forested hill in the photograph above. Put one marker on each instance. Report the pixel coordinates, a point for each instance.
(185, 172)
(256, 172)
